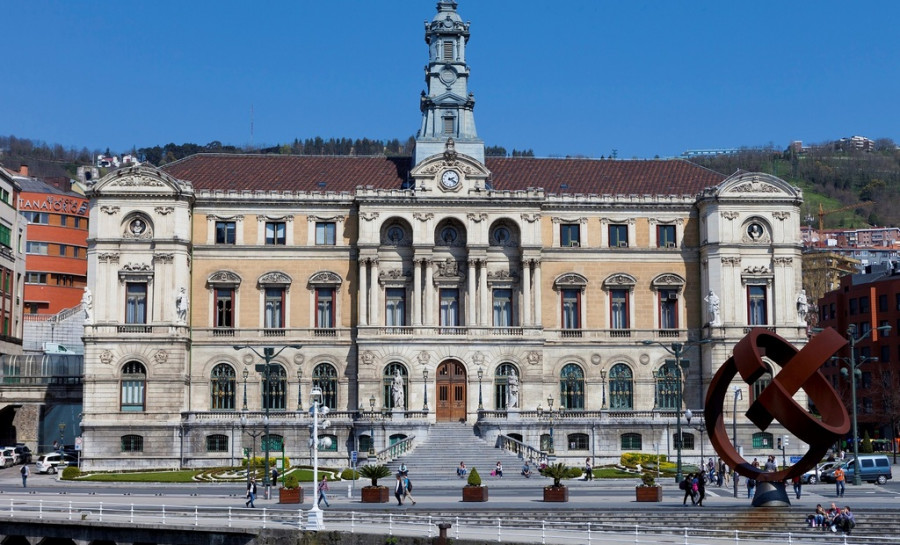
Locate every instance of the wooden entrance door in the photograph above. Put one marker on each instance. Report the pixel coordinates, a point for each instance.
(451, 392)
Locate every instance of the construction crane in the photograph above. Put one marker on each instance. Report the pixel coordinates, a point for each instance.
(823, 213)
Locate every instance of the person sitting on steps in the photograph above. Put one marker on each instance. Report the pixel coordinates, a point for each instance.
(461, 470)
(526, 470)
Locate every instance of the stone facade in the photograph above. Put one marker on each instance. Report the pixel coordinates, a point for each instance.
(440, 288)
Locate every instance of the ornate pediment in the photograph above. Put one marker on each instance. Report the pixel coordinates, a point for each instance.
(619, 280)
(224, 278)
(571, 280)
(325, 278)
(274, 278)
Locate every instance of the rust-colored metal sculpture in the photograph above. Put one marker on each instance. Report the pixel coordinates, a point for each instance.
(799, 369)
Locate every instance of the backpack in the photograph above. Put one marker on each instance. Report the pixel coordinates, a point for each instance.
(24, 470)
(684, 484)
(408, 485)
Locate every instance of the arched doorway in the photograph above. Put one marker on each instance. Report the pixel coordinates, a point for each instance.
(451, 392)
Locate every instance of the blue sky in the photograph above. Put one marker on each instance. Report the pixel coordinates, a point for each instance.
(560, 77)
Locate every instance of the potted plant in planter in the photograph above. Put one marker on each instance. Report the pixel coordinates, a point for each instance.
(648, 490)
(556, 492)
(291, 491)
(374, 493)
(474, 490)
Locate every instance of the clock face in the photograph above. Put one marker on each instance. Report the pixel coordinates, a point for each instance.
(450, 179)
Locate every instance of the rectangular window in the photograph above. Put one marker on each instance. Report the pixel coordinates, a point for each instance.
(4, 195)
(618, 236)
(618, 309)
(448, 50)
(37, 217)
(136, 303)
(449, 307)
(665, 236)
(39, 248)
(756, 305)
(395, 307)
(62, 250)
(864, 304)
(275, 233)
(6, 236)
(132, 443)
(569, 234)
(325, 233)
(571, 309)
(217, 443)
(884, 332)
(63, 220)
(77, 252)
(225, 232)
(668, 309)
(448, 125)
(79, 222)
(882, 303)
(325, 307)
(854, 306)
(224, 308)
(35, 278)
(503, 308)
(274, 308)
(866, 380)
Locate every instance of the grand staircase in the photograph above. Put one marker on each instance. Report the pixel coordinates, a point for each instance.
(447, 444)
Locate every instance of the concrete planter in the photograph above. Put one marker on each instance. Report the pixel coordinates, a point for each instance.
(290, 495)
(648, 493)
(556, 493)
(475, 493)
(375, 494)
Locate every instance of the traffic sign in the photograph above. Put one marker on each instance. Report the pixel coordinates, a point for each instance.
(353, 455)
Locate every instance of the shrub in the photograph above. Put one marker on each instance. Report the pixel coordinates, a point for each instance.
(574, 473)
(349, 475)
(374, 472)
(474, 478)
(866, 445)
(291, 481)
(648, 479)
(71, 472)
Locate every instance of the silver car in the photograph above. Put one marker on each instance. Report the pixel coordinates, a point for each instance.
(53, 462)
(814, 475)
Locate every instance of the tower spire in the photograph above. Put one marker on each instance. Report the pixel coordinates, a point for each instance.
(447, 105)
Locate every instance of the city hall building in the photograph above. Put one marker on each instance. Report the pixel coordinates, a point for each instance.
(516, 295)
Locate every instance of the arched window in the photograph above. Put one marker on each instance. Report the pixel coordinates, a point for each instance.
(217, 443)
(396, 438)
(276, 443)
(221, 387)
(134, 381)
(365, 443)
(763, 439)
(501, 385)
(276, 395)
(571, 387)
(325, 377)
(761, 383)
(387, 392)
(621, 387)
(132, 443)
(331, 445)
(545, 442)
(687, 440)
(631, 441)
(578, 441)
(667, 383)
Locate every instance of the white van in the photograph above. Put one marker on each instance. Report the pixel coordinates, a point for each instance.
(51, 463)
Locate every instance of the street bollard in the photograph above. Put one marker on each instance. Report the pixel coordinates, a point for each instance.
(349, 492)
(442, 538)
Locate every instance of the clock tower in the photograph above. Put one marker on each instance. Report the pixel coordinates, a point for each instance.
(447, 105)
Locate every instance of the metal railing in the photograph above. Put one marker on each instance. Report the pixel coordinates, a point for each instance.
(396, 450)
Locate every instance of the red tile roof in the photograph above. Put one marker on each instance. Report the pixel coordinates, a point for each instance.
(345, 173)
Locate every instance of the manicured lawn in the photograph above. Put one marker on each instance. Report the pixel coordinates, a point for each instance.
(613, 473)
(187, 476)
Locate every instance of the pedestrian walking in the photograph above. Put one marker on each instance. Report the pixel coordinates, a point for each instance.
(798, 484)
(251, 493)
(701, 489)
(323, 490)
(399, 489)
(407, 489)
(839, 481)
(588, 470)
(25, 473)
(274, 476)
(751, 487)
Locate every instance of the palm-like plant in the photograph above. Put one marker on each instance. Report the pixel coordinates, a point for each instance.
(374, 472)
(557, 472)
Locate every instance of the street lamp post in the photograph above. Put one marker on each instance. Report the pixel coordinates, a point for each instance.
(254, 434)
(372, 426)
(851, 371)
(268, 355)
(681, 365)
(700, 427)
(480, 375)
(737, 395)
(62, 432)
(425, 388)
(550, 404)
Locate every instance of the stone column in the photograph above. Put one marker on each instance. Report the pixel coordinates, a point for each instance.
(417, 292)
(538, 298)
(363, 295)
(470, 296)
(429, 293)
(526, 292)
(373, 293)
(483, 291)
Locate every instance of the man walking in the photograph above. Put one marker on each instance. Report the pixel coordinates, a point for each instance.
(399, 489)
(251, 493)
(323, 489)
(25, 473)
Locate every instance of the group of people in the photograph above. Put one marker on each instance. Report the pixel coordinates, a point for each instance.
(694, 488)
(403, 486)
(834, 518)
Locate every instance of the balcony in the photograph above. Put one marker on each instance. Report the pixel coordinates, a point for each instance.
(248, 334)
(449, 331)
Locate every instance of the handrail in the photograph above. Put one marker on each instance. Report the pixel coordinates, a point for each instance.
(397, 449)
(523, 450)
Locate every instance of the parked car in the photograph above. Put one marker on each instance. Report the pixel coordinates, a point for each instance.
(5, 461)
(53, 462)
(814, 475)
(24, 454)
(874, 468)
(10, 456)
